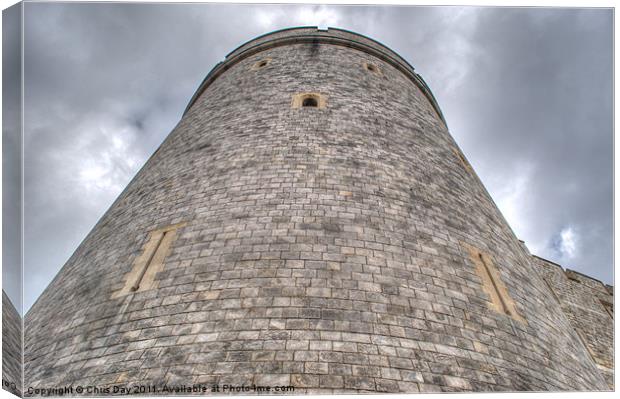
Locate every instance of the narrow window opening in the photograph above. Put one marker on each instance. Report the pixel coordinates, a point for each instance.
(499, 299)
(150, 262)
(494, 283)
(310, 102)
(262, 64)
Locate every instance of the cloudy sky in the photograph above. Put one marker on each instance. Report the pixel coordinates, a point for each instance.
(527, 94)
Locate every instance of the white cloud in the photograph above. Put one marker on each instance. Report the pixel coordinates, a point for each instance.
(318, 16)
(512, 198)
(105, 160)
(568, 243)
(266, 17)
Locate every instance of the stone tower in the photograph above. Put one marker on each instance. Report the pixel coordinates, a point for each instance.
(309, 224)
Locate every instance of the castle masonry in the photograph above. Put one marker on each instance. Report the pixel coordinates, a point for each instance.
(588, 304)
(11, 347)
(310, 224)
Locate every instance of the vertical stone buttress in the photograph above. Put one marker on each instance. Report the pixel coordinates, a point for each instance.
(346, 246)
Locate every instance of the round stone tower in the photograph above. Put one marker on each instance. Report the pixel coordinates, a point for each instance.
(309, 226)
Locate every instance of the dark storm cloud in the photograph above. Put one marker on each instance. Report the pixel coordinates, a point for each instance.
(527, 94)
(537, 112)
(11, 155)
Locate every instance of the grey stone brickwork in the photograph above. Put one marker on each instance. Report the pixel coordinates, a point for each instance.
(588, 304)
(323, 248)
(11, 347)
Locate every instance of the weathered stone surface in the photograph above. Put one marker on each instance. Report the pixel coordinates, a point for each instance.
(322, 247)
(588, 304)
(11, 347)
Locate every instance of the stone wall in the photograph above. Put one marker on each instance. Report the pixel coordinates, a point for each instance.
(327, 249)
(588, 304)
(11, 347)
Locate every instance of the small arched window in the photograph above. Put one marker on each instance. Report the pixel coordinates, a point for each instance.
(261, 64)
(309, 100)
(372, 68)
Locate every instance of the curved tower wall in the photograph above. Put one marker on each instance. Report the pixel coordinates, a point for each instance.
(11, 347)
(329, 248)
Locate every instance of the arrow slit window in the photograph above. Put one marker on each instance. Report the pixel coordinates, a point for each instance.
(500, 300)
(150, 262)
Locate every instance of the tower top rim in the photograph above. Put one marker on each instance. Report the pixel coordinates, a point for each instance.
(315, 34)
(316, 31)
